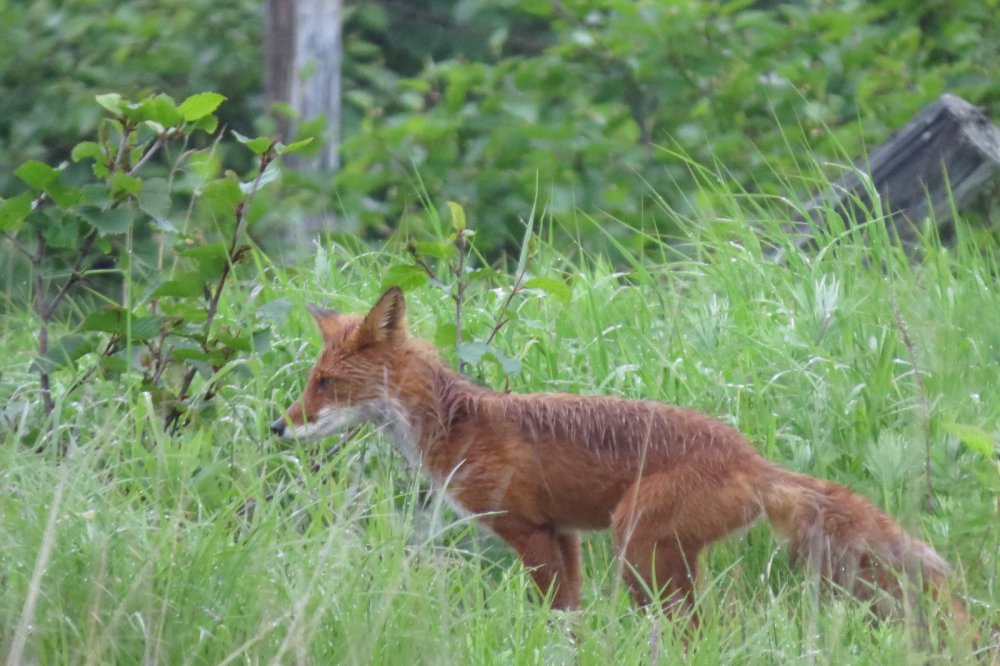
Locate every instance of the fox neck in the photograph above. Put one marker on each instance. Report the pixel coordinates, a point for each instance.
(421, 401)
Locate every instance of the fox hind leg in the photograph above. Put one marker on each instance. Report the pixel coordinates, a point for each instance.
(663, 523)
(661, 570)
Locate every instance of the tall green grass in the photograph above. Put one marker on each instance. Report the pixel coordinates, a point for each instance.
(222, 545)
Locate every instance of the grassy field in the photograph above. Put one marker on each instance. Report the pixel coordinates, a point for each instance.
(221, 545)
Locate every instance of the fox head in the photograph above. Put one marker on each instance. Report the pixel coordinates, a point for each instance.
(348, 385)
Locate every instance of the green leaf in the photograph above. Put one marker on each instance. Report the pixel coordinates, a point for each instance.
(122, 183)
(113, 365)
(198, 106)
(61, 229)
(95, 194)
(552, 286)
(210, 257)
(62, 196)
(438, 249)
(457, 216)
(974, 438)
(155, 126)
(112, 102)
(184, 310)
(146, 327)
(14, 210)
(114, 320)
(109, 222)
(109, 320)
(186, 285)
(404, 276)
(223, 194)
(154, 199)
(444, 336)
(262, 340)
(159, 109)
(472, 352)
(275, 311)
(271, 174)
(529, 230)
(238, 342)
(37, 175)
(85, 150)
(258, 145)
(64, 352)
(188, 354)
(206, 124)
(510, 366)
(293, 147)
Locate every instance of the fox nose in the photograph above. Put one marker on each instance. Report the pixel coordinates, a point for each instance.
(278, 426)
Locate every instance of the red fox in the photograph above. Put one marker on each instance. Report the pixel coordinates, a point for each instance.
(539, 468)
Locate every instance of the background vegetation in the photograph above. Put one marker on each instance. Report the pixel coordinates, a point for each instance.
(492, 102)
(619, 164)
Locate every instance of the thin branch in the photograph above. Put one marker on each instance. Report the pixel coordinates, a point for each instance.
(161, 360)
(419, 260)
(161, 139)
(109, 349)
(43, 328)
(20, 248)
(39, 201)
(127, 128)
(502, 319)
(242, 209)
(74, 276)
(462, 243)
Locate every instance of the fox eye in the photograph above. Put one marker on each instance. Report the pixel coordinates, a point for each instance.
(323, 383)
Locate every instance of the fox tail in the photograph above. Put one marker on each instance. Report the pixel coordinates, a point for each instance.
(846, 540)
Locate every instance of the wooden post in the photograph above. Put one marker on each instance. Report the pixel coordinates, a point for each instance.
(944, 156)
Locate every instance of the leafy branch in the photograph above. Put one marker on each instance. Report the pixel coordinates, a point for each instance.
(234, 254)
(176, 320)
(453, 255)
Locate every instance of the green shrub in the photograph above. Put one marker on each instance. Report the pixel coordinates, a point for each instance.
(586, 105)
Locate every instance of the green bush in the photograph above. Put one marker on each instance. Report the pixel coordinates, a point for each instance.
(56, 55)
(593, 113)
(142, 259)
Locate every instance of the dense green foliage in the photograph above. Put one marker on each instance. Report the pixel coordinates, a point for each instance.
(587, 106)
(56, 55)
(499, 103)
(170, 242)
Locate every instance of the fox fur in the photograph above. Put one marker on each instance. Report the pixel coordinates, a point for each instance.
(539, 468)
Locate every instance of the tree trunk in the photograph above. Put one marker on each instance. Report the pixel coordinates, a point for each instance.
(303, 47)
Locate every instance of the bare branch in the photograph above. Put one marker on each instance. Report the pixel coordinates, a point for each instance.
(74, 276)
(502, 318)
(122, 145)
(462, 243)
(160, 140)
(20, 248)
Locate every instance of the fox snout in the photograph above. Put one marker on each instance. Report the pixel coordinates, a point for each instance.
(278, 426)
(284, 426)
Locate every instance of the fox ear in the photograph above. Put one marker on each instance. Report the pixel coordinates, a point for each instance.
(325, 319)
(387, 318)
